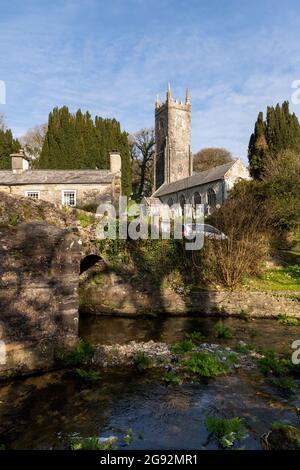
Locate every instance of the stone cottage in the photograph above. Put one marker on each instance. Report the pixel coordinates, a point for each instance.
(63, 187)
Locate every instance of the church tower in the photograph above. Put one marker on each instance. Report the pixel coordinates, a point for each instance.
(173, 159)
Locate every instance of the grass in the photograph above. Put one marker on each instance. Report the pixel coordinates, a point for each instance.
(223, 331)
(13, 220)
(182, 347)
(277, 280)
(171, 377)
(92, 443)
(288, 321)
(205, 364)
(227, 431)
(88, 375)
(78, 356)
(142, 361)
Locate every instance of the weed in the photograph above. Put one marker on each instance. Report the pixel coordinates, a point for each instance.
(171, 377)
(92, 443)
(78, 356)
(284, 383)
(85, 218)
(205, 364)
(128, 438)
(88, 375)
(195, 336)
(227, 431)
(244, 348)
(14, 219)
(271, 363)
(182, 347)
(142, 361)
(223, 331)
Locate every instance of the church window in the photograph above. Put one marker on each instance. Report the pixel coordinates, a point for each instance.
(211, 198)
(170, 202)
(197, 198)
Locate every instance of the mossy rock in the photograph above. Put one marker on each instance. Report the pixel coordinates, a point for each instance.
(285, 437)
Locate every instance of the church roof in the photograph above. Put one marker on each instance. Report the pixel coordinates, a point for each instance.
(8, 178)
(197, 179)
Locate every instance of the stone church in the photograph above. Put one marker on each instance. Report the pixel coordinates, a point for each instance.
(174, 179)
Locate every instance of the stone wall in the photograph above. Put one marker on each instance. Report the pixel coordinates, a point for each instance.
(109, 293)
(38, 295)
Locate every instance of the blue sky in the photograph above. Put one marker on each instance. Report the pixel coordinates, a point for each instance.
(113, 57)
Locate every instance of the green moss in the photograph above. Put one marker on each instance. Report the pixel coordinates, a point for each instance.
(205, 364)
(227, 431)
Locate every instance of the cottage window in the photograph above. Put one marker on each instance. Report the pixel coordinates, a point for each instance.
(33, 194)
(69, 198)
(211, 198)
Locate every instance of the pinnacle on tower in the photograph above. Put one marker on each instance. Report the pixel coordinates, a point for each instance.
(169, 91)
(157, 102)
(187, 97)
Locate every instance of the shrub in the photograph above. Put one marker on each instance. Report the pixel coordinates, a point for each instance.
(88, 375)
(205, 364)
(227, 431)
(78, 356)
(182, 347)
(142, 361)
(222, 331)
(92, 443)
(128, 438)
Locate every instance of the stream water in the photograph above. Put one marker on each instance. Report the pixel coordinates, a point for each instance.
(42, 412)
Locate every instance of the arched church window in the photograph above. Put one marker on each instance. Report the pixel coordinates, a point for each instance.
(211, 198)
(170, 202)
(197, 198)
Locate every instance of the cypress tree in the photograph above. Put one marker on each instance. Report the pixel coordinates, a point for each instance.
(8, 145)
(280, 131)
(79, 142)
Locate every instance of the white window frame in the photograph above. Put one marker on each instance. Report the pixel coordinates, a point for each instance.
(32, 191)
(63, 197)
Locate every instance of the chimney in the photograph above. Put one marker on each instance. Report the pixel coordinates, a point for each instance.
(115, 162)
(19, 162)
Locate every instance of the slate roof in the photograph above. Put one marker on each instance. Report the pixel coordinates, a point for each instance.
(197, 179)
(32, 177)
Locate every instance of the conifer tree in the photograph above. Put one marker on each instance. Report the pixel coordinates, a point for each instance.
(280, 131)
(8, 145)
(76, 141)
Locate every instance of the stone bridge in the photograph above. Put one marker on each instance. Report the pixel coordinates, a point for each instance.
(39, 276)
